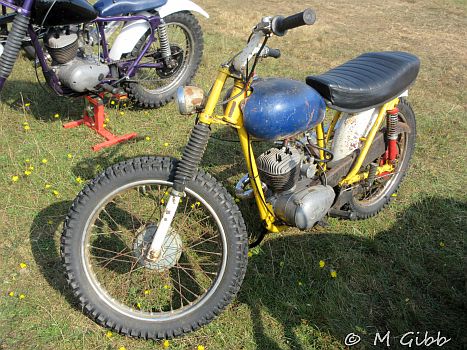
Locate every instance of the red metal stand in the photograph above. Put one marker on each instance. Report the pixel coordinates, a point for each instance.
(94, 117)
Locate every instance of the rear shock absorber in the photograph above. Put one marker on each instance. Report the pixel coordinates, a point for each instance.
(392, 133)
(13, 45)
(192, 155)
(164, 42)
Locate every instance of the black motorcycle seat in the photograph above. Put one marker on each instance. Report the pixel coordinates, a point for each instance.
(367, 81)
(110, 8)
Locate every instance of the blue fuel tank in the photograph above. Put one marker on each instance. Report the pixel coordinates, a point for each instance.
(279, 108)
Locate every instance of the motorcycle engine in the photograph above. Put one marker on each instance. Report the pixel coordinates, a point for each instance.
(287, 173)
(75, 70)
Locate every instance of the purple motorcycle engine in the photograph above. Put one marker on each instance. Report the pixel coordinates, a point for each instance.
(75, 70)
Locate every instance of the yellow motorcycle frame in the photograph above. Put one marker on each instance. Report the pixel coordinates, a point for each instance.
(233, 117)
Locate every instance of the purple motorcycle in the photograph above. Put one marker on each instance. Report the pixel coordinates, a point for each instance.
(158, 47)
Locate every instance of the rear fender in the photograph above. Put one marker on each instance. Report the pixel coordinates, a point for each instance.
(129, 36)
(173, 6)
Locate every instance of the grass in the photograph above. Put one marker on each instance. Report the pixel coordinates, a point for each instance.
(400, 271)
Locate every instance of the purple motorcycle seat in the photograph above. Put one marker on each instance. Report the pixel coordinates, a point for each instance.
(110, 8)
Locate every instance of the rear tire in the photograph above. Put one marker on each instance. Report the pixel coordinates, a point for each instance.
(150, 94)
(141, 304)
(381, 197)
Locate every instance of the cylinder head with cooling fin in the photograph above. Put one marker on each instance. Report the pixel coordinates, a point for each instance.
(62, 46)
(279, 169)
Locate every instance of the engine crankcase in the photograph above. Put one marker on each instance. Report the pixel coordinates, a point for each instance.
(81, 74)
(305, 207)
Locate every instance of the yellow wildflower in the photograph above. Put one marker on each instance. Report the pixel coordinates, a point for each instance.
(56, 193)
(122, 113)
(27, 172)
(147, 292)
(69, 156)
(147, 138)
(25, 123)
(166, 286)
(44, 160)
(27, 104)
(22, 296)
(107, 119)
(11, 294)
(112, 102)
(109, 334)
(79, 180)
(104, 125)
(250, 254)
(321, 263)
(162, 201)
(23, 265)
(166, 344)
(26, 127)
(166, 144)
(122, 348)
(333, 274)
(138, 305)
(47, 186)
(27, 161)
(56, 115)
(15, 178)
(200, 347)
(441, 244)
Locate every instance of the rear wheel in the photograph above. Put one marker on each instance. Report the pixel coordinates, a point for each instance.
(157, 86)
(109, 229)
(368, 200)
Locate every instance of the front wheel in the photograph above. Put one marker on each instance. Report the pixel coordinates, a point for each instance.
(112, 223)
(154, 87)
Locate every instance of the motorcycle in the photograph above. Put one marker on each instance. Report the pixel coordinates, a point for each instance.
(158, 47)
(154, 247)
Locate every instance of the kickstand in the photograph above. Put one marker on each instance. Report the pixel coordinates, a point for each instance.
(259, 239)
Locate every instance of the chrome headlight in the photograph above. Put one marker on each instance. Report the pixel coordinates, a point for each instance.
(190, 99)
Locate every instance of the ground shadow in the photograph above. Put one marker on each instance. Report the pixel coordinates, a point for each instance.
(44, 237)
(40, 102)
(409, 278)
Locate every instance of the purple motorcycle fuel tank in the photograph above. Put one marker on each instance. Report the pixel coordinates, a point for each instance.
(280, 108)
(62, 12)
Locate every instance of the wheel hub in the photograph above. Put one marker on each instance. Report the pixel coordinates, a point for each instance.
(176, 61)
(171, 249)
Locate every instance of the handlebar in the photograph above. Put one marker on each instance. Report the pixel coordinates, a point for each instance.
(277, 25)
(280, 25)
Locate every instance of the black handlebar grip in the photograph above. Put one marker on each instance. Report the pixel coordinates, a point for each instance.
(280, 25)
(274, 53)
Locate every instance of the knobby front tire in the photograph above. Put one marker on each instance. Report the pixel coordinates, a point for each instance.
(112, 222)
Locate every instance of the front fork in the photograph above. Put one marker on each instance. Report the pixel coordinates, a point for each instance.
(186, 168)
